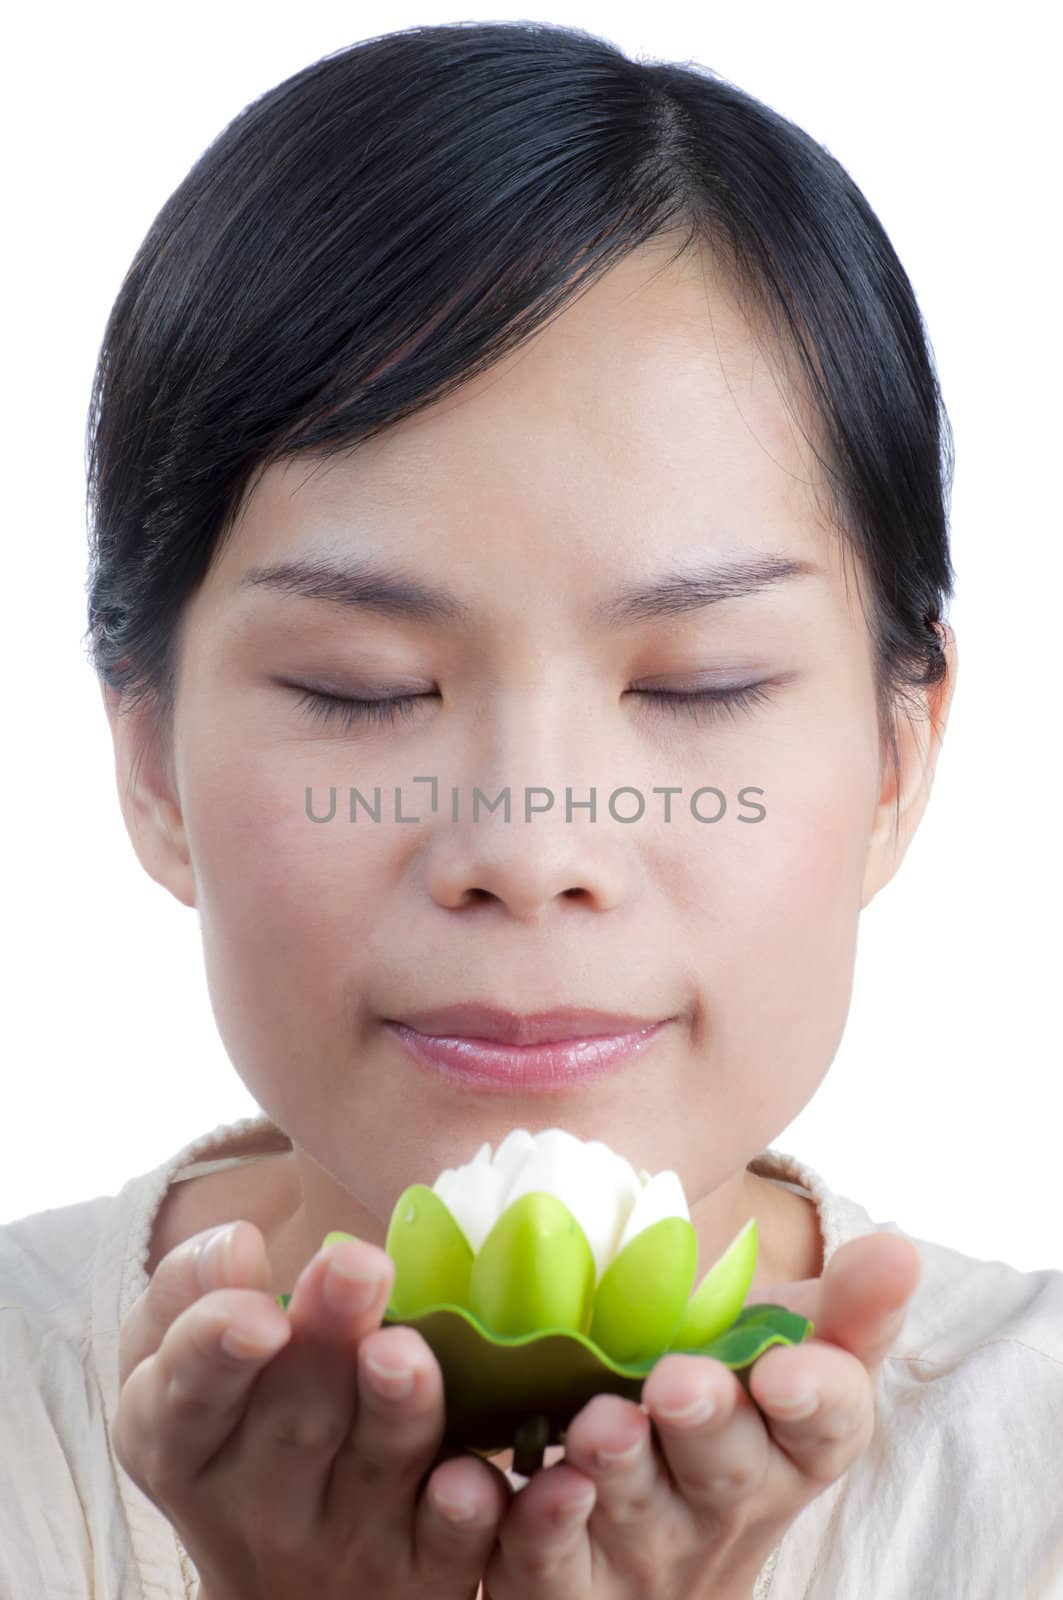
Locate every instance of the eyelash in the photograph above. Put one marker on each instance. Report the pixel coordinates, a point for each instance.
(385, 712)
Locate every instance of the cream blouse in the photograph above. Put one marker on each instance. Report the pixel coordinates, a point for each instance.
(958, 1497)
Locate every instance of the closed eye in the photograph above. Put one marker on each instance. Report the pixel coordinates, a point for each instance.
(333, 707)
(707, 703)
(701, 704)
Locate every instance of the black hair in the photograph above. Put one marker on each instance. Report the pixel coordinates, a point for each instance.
(393, 219)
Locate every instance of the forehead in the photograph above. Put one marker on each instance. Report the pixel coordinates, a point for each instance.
(650, 418)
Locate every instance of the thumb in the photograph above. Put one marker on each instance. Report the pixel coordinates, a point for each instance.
(865, 1293)
(861, 1300)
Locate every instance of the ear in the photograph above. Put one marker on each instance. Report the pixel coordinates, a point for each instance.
(147, 792)
(919, 741)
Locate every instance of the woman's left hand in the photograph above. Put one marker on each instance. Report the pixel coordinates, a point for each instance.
(698, 1507)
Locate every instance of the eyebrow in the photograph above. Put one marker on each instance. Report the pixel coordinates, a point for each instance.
(695, 587)
(391, 591)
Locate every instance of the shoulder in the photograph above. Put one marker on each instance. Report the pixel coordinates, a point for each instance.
(46, 1261)
(984, 1350)
(964, 1304)
(969, 1418)
(981, 1351)
(47, 1266)
(957, 1492)
(69, 1523)
(50, 1402)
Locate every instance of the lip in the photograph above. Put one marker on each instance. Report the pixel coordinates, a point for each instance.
(488, 1063)
(473, 1020)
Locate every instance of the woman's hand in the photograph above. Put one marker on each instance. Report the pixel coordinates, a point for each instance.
(288, 1474)
(696, 1509)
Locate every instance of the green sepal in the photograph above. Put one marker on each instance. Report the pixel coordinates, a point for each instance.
(721, 1294)
(534, 1270)
(642, 1295)
(432, 1256)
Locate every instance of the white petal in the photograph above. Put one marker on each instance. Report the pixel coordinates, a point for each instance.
(514, 1150)
(602, 1201)
(553, 1161)
(473, 1195)
(625, 1172)
(520, 1147)
(617, 1176)
(560, 1140)
(662, 1197)
(482, 1155)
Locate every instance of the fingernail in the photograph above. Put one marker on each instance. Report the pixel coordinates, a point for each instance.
(463, 1510)
(246, 1344)
(577, 1509)
(347, 1288)
(700, 1409)
(619, 1458)
(214, 1257)
(394, 1383)
(792, 1406)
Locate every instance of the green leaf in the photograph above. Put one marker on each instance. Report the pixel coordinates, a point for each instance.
(495, 1383)
(535, 1269)
(432, 1256)
(643, 1292)
(719, 1297)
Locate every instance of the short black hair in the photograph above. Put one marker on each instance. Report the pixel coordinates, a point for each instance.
(393, 219)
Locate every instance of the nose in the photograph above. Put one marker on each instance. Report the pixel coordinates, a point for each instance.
(537, 828)
(526, 866)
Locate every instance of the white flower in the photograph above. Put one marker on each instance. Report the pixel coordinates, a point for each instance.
(609, 1200)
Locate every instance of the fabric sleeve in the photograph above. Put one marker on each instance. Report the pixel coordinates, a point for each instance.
(961, 1493)
(46, 1549)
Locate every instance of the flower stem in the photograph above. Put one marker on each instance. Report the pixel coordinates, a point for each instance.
(529, 1445)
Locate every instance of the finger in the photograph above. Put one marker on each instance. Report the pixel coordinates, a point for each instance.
(862, 1299)
(396, 1432)
(182, 1403)
(233, 1255)
(866, 1291)
(712, 1436)
(299, 1424)
(818, 1404)
(542, 1545)
(611, 1442)
(457, 1518)
(637, 1509)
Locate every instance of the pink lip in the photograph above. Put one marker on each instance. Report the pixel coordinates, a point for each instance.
(475, 1021)
(485, 1064)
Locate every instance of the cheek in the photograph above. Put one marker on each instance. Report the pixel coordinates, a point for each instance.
(775, 908)
(286, 904)
(802, 863)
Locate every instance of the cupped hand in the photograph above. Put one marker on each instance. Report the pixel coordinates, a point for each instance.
(684, 1496)
(303, 1462)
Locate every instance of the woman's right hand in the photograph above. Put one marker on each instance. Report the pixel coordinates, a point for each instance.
(287, 1473)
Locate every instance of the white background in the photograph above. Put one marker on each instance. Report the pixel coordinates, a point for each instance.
(941, 1110)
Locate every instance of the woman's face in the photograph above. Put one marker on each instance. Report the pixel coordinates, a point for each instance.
(643, 435)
